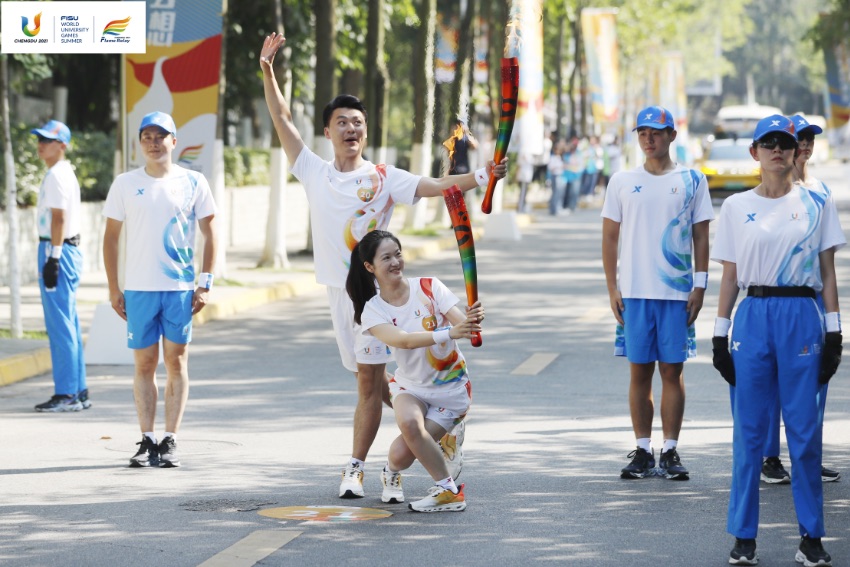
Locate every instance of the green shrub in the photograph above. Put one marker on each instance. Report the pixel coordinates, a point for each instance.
(234, 167)
(29, 170)
(257, 163)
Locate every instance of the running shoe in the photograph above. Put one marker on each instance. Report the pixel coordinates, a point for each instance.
(744, 552)
(452, 445)
(147, 455)
(393, 494)
(642, 464)
(772, 472)
(168, 453)
(60, 403)
(829, 475)
(352, 482)
(83, 397)
(812, 554)
(671, 466)
(440, 499)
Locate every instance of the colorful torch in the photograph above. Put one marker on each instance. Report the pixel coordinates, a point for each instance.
(463, 233)
(510, 95)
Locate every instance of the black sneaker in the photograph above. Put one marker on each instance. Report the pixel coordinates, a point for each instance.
(672, 466)
(744, 552)
(642, 464)
(829, 475)
(60, 403)
(772, 472)
(168, 453)
(83, 398)
(147, 455)
(812, 554)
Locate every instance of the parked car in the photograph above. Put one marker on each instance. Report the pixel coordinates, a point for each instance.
(729, 167)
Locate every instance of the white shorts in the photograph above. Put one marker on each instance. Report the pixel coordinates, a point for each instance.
(447, 406)
(353, 345)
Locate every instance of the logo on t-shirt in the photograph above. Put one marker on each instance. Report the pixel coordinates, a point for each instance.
(637, 188)
(429, 323)
(365, 194)
(674, 191)
(140, 191)
(751, 217)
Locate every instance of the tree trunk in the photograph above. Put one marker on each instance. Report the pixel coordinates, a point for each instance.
(423, 106)
(219, 194)
(15, 323)
(460, 86)
(571, 88)
(274, 251)
(325, 11)
(559, 76)
(582, 73)
(377, 82)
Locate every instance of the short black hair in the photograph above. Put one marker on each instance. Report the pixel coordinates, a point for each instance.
(343, 101)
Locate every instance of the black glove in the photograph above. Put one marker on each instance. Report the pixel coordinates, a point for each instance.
(50, 273)
(830, 357)
(722, 359)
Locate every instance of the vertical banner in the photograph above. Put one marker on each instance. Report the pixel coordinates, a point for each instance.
(178, 75)
(837, 62)
(445, 51)
(673, 97)
(599, 28)
(526, 16)
(482, 46)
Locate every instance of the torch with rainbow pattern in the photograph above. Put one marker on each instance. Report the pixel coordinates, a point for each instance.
(510, 96)
(465, 243)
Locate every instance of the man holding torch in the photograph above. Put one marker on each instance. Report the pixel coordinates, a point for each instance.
(349, 197)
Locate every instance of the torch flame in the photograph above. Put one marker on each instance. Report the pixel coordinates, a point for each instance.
(457, 134)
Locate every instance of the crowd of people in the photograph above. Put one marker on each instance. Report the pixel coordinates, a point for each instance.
(578, 168)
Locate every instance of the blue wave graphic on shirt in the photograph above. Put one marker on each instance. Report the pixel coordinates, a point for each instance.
(676, 240)
(803, 261)
(178, 238)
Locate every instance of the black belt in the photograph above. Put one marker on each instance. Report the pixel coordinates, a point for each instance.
(783, 291)
(73, 241)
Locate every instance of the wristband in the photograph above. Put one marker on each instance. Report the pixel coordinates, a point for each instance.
(833, 322)
(56, 252)
(205, 280)
(722, 326)
(481, 176)
(701, 279)
(441, 335)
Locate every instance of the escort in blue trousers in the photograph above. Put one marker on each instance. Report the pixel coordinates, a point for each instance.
(62, 322)
(775, 346)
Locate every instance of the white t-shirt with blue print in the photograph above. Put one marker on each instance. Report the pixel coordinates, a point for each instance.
(776, 242)
(160, 217)
(656, 215)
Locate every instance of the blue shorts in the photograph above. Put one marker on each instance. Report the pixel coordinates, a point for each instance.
(655, 330)
(152, 314)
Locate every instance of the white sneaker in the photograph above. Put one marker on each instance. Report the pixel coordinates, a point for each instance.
(452, 446)
(352, 482)
(440, 499)
(393, 494)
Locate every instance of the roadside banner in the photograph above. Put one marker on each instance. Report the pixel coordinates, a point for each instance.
(445, 50)
(599, 28)
(527, 45)
(673, 97)
(179, 75)
(837, 62)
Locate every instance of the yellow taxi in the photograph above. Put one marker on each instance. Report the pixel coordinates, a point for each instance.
(729, 167)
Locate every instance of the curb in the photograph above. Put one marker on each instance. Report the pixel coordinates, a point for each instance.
(20, 367)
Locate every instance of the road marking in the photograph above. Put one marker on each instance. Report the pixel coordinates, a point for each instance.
(535, 364)
(325, 513)
(254, 547)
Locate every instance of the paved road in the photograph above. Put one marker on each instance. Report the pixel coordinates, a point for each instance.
(268, 426)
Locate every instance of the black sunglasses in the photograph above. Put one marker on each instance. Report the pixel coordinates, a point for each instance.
(43, 140)
(806, 136)
(784, 143)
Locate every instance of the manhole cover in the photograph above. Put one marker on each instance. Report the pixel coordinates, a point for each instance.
(223, 505)
(325, 513)
(184, 446)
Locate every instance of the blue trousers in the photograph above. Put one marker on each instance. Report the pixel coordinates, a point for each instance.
(776, 344)
(62, 322)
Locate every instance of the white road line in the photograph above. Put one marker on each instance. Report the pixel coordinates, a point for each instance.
(251, 549)
(535, 364)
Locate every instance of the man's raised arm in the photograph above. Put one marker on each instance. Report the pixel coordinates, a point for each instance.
(290, 139)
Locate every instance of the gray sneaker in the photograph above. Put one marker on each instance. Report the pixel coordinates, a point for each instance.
(147, 455)
(168, 453)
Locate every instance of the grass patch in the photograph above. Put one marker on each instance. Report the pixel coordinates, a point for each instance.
(36, 335)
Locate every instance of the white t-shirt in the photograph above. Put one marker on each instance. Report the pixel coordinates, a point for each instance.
(776, 242)
(421, 368)
(159, 215)
(59, 190)
(656, 215)
(345, 206)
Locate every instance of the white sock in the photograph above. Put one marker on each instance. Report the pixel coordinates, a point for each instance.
(669, 444)
(388, 470)
(357, 463)
(150, 435)
(645, 443)
(167, 435)
(449, 484)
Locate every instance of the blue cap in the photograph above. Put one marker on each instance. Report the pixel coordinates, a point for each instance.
(160, 119)
(54, 130)
(774, 123)
(656, 117)
(801, 124)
